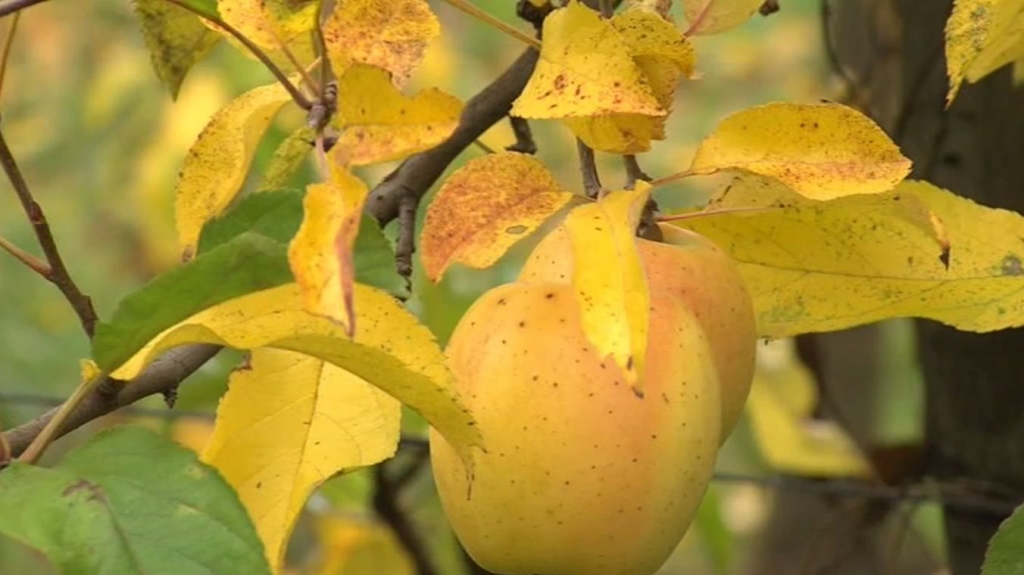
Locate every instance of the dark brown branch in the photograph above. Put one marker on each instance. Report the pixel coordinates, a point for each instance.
(164, 374)
(386, 505)
(406, 244)
(524, 136)
(588, 169)
(634, 173)
(16, 6)
(418, 172)
(769, 7)
(58, 274)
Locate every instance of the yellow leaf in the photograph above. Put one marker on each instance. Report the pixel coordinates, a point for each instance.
(320, 254)
(823, 266)
(354, 545)
(663, 56)
(289, 422)
(389, 34)
(192, 432)
(609, 278)
(981, 37)
(270, 23)
(391, 350)
(176, 39)
(781, 403)
(584, 70)
(380, 123)
(216, 165)
(717, 16)
(822, 151)
(485, 208)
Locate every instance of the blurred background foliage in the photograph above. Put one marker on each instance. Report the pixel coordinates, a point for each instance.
(101, 142)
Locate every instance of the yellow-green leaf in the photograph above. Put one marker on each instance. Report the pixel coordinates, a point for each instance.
(391, 350)
(176, 39)
(380, 123)
(321, 255)
(781, 405)
(609, 278)
(289, 422)
(485, 208)
(822, 151)
(217, 163)
(664, 57)
(717, 16)
(287, 159)
(584, 70)
(389, 34)
(822, 266)
(270, 23)
(981, 37)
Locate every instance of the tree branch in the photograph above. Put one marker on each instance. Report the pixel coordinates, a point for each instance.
(58, 274)
(164, 374)
(16, 6)
(418, 172)
(386, 505)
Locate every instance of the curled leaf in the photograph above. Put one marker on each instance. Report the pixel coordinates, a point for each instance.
(716, 16)
(485, 208)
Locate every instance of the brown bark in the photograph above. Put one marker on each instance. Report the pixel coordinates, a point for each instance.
(974, 427)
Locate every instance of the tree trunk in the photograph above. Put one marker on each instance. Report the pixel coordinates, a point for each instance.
(893, 52)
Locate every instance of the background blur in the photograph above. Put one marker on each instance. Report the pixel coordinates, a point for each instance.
(101, 142)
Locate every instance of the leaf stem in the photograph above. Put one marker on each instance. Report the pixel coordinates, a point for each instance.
(41, 441)
(588, 169)
(26, 258)
(709, 213)
(16, 6)
(479, 14)
(8, 42)
(293, 91)
(58, 275)
(673, 178)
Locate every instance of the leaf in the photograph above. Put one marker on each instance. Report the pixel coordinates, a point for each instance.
(609, 278)
(981, 37)
(388, 34)
(320, 255)
(216, 166)
(130, 502)
(176, 39)
(483, 209)
(270, 23)
(822, 151)
(390, 350)
(207, 8)
(781, 408)
(716, 16)
(664, 57)
(289, 422)
(584, 70)
(277, 215)
(1005, 553)
(824, 266)
(245, 264)
(380, 123)
(287, 159)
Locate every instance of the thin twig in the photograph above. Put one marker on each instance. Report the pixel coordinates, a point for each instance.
(8, 43)
(26, 258)
(17, 6)
(49, 431)
(588, 170)
(58, 275)
(38, 400)
(406, 244)
(293, 91)
(469, 8)
(634, 173)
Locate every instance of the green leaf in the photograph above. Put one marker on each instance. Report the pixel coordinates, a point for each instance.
(176, 39)
(277, 215)
(207, 8)
(130, 502)
(247, 263)
(1005, 554)
(288, 159)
